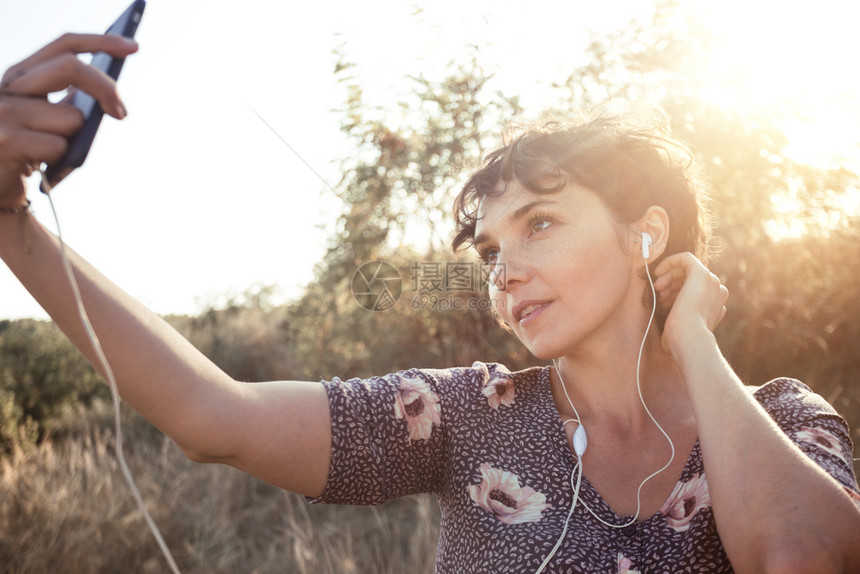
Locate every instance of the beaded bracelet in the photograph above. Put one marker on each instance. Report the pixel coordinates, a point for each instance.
(14, 210)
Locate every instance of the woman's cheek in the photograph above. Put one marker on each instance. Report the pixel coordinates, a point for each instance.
(499, 306)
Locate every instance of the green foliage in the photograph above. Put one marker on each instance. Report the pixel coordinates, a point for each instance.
(397, 193)
(41, 373)
(17, 430)
(405, 169)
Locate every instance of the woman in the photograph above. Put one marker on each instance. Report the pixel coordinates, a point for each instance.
(575, 223)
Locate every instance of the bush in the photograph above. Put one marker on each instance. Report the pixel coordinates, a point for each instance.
(41, 374)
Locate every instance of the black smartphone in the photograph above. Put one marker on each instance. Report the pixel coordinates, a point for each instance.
(80, 142)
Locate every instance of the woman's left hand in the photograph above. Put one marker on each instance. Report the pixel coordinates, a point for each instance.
(695, 296)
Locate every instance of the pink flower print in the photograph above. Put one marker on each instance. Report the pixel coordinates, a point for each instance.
(500, 493)
(419, 405)
(625, 565)
(822, 439)
(686, 500)
(500, 391)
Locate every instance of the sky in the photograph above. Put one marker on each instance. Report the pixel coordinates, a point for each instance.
(193, 199)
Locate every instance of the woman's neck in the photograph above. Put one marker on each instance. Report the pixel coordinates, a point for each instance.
(605, 384)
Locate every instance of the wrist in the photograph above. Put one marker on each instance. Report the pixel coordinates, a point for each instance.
(13, 210)
(684, 342)
(22, 214)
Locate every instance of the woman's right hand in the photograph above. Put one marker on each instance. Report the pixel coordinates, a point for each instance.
(33, 130)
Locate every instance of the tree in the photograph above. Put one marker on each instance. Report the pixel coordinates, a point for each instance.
(397, 191)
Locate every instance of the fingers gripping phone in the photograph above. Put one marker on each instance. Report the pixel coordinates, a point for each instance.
(80, 142)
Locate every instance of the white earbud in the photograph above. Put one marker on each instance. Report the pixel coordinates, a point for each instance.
(580, 441)
(646, 244)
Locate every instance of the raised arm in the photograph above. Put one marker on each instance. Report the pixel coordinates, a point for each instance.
(776, 510)
(277, 431)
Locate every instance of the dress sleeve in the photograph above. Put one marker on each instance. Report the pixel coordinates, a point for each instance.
(388, 439)
(814, 426)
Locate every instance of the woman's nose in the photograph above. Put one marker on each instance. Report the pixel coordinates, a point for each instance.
(498, 277)
(508, 269)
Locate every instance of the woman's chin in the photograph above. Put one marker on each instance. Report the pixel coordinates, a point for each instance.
(543, 352)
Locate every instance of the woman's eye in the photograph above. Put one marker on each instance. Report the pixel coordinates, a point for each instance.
(540, 225)
(489, 255)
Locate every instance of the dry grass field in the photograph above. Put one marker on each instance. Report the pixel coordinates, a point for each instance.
(65, 507)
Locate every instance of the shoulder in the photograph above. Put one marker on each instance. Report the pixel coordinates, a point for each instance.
(812, 424)
(789, 400)
(454, 384)
(464, 392)
(795, 407)
(478, 377)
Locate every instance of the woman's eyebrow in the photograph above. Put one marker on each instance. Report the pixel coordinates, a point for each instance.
(517, 215)
(524, 210)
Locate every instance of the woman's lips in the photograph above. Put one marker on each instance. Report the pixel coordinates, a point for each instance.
(529, 310)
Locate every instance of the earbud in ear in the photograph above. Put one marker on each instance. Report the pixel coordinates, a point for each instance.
(646, 244)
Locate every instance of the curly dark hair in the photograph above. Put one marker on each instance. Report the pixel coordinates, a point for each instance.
(631, 161)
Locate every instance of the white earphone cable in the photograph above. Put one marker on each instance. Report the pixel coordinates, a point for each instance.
(647, 410)
(577, 469)
(109, 376)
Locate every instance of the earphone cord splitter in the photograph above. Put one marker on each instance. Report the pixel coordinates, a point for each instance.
(577, 469)
(111, 380)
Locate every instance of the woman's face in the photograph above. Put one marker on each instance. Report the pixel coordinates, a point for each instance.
(562, 277)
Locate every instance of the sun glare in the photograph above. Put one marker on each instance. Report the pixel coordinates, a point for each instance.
(790, 62)
(770, 55)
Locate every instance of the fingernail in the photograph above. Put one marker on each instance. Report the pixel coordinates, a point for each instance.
(121, 111)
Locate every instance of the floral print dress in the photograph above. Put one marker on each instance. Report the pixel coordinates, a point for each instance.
(490, 445)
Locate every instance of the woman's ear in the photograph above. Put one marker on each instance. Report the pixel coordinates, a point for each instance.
(655, 223)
